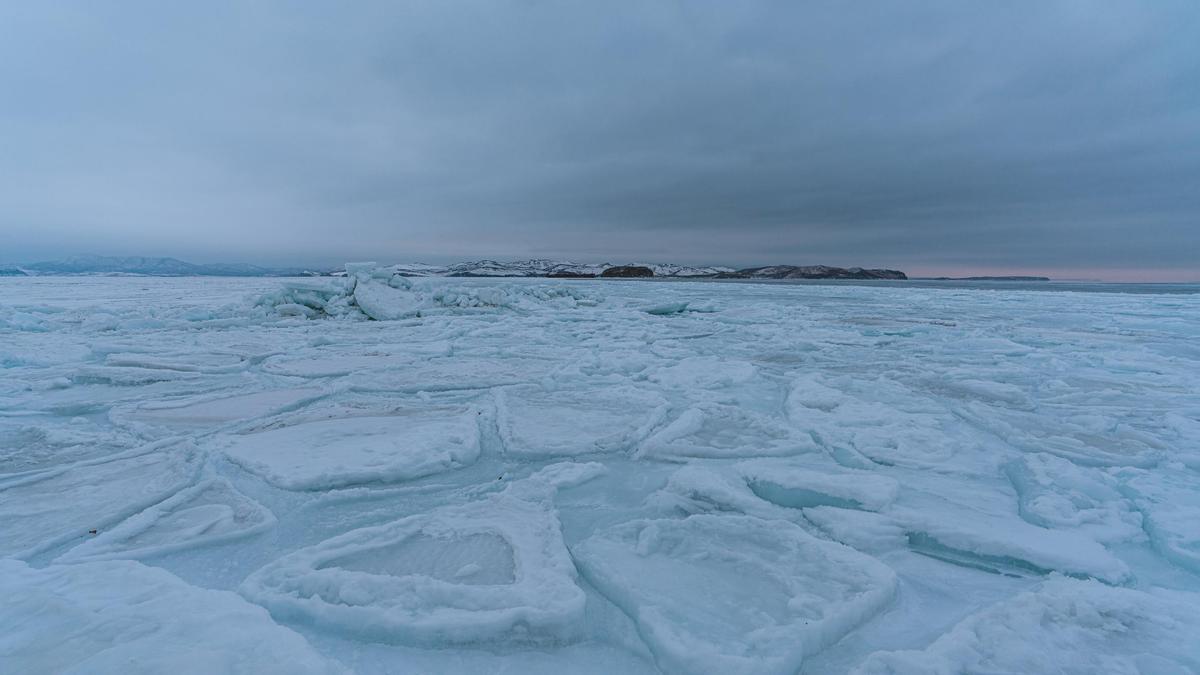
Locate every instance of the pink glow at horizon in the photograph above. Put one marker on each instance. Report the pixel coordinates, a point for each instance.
(1134, 275)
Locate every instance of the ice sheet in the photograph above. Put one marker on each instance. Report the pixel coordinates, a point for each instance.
(764, 477)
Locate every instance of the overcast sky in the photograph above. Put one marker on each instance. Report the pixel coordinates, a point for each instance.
(1033, 136)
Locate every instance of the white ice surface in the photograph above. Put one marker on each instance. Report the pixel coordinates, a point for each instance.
(62, 505)
(721, 430)
(1063, 626)
(208, 412)
(123, 617)
(537, 422)
(208, 512)
(833, 477)
(402, 445)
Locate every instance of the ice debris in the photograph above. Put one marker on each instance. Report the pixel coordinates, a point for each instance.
(373, 292)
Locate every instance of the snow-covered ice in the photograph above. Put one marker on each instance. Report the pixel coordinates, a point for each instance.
(208, 512)
(401, 445)
(124, 617)
(1062, 626)
(491, 569)
(59, 505)
(734, 594)
(536, 422)
(377, 473)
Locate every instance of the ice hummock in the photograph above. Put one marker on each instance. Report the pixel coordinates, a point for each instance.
(382, 294)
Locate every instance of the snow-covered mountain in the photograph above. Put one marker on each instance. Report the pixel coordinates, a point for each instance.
(812, 272)
(551, 268)
(540, 267)
(672, 270)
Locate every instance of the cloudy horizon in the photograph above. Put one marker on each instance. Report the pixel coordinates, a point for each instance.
(940, 138)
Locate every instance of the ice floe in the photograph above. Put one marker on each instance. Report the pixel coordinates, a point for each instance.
(1170, 506)
(57, 506)
(774, 488)
(703, 372)
(861, 421)
(734, 594)
(342, 361)
(452, 373)
(404, 444)
(538, 422)
(1008, 546)
(28, 444)
(210, 412)
(1055, 493)
(798, 487)
(210, 512)
(719, 430)
(482, 571)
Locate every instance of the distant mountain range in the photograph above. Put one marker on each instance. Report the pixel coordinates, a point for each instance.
(143, 266)
(551, 268)
(172, 267)
(811, 272)
(547, 268)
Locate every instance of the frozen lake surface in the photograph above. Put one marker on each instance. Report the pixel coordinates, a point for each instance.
(539, 476)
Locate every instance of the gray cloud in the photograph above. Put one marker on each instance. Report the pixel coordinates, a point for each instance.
(1060, 135)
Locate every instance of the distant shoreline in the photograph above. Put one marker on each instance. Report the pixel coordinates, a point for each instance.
(1060, 286)
(984, 278)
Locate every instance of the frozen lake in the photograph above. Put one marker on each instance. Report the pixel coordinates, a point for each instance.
(538, 476)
